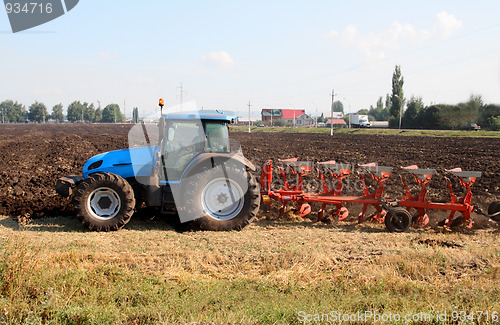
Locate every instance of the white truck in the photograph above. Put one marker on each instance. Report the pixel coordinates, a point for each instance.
(360, 121)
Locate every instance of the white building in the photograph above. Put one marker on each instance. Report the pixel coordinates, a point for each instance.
(304, 120)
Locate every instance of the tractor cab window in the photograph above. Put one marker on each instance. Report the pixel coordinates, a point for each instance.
(217, 137)
(184, 140)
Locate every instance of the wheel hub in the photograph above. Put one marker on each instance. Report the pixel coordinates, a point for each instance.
(104, 203)
(222, 199)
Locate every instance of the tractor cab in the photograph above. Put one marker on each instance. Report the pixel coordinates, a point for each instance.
(186, 136)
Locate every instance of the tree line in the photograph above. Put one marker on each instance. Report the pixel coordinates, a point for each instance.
(14, 112)
(436, 116)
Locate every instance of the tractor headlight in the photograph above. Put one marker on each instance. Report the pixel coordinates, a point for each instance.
(95, 165)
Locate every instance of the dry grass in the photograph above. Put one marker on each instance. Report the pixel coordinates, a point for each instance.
(53, 271)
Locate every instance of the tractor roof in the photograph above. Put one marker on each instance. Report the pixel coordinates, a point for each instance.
(202, 115)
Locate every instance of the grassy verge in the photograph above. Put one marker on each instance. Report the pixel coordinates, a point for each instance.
(429, 133)
(53, 272)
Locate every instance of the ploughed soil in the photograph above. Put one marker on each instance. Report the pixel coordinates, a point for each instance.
(33, 157)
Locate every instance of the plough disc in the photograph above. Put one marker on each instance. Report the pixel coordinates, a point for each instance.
(397, 220)
(493, 209)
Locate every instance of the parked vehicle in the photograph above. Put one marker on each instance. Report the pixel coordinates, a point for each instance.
(360, 121)
(470, 127)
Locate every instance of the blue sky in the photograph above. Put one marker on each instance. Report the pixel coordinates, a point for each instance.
(271, 53)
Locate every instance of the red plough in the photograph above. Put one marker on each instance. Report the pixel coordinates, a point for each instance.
(394, 213)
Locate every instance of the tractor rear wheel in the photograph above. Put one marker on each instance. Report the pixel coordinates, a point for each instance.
(105, 202)
(222, 198)
(397, 220)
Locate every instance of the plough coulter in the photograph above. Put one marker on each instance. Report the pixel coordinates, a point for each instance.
(329, 178)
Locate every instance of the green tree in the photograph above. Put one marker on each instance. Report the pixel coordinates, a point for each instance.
(411, 117)
(388, 101)
(380, 103)
(112, 114)
(279, 122)
(12, 112)
(489, 116)
(75, 110)
(338, 106)
(38, 112)
(98, 115)
(135, 115)
(397, 97)
(57, 113)
(379, 113)
(88, 112)
(430, 117)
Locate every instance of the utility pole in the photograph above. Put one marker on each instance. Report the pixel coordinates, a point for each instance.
(331, 119)
(249, 117)
(3, 115)
(349, 114)
(124, 110)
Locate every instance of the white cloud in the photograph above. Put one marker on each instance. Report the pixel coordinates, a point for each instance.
(108, 55)
(378, 44)
(218, 59)
(446, 24)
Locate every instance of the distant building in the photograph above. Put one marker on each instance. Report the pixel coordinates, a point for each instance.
(304, 120)
(338, 123)
(288, 115)
(269, 114)
(244, 120)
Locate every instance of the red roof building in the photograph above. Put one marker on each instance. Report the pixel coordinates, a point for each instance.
(281, 114)
(337, 121)
(290, 114)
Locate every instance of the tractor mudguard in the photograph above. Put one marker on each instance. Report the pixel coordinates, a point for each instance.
(210, 160)
(66, 185)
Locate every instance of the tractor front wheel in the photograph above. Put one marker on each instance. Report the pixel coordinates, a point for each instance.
(105, 202)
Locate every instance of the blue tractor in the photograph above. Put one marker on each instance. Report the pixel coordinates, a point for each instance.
(193, 173)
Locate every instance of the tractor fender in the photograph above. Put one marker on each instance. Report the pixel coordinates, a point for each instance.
(210, 160)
